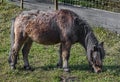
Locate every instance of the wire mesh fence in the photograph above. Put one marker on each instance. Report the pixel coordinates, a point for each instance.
(110, 5)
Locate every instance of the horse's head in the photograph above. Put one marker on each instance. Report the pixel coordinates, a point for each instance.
(95, 57)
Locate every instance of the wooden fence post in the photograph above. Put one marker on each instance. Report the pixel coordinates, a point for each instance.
(56, 4)
(21, 4)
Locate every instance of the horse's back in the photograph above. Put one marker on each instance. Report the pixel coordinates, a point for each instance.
(45, 27)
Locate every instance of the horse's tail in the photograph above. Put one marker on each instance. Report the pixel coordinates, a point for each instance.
(12, 36)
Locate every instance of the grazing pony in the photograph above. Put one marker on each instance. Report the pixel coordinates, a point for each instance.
(52, 27)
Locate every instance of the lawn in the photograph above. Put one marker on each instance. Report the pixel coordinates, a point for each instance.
(44, 58)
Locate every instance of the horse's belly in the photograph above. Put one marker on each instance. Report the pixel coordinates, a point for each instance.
(46, 37)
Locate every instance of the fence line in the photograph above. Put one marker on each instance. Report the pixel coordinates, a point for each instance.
(95, 17)
(110, 5)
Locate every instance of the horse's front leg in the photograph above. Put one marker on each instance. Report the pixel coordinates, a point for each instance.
(65, 55)
(25, 51)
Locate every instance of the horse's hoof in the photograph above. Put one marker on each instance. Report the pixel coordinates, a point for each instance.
(66, 69)
(28, 68)
(59, 66)
(13, 67)
(9, 61)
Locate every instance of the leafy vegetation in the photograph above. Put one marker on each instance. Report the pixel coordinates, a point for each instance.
(111, 5)
(43, 58)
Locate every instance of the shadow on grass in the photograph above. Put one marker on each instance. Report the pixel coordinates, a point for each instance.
(83, 67)
(72, 67)
(54, 67)
(112, 69)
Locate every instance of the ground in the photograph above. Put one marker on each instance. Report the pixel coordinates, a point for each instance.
(44, 58)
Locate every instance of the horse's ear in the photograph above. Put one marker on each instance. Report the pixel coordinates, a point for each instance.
(94, 48)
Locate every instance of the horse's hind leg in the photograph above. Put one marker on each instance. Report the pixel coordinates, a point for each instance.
(25, 51)
(14, 53)
(59, 64)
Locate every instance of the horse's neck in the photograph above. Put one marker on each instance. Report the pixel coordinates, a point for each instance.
(90, 40)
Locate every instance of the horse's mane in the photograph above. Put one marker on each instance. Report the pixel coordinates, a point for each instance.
(90, 37)
(87, 33)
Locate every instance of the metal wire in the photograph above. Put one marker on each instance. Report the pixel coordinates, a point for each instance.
(111, 5)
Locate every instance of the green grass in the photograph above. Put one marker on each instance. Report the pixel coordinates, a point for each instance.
(43, 58)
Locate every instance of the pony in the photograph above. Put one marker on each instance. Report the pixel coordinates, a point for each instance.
(51, 27)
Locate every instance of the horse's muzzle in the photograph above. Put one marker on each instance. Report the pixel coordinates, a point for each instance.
(97, 69)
